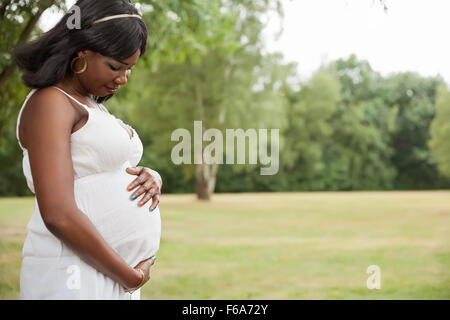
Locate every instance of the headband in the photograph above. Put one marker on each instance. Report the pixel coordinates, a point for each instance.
(117, 16)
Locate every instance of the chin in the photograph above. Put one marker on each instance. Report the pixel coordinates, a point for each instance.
(102, 92)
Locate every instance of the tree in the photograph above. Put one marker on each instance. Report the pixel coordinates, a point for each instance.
(308, 128)
(361, 143)
(338, 132)
(413, 99)
(440, 131)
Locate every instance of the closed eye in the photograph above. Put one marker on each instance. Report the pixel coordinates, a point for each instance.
(114, 69)
(117, 69)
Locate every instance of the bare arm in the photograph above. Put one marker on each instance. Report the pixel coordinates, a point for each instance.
(49, 118)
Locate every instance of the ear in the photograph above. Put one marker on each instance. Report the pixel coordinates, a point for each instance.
(84, 53)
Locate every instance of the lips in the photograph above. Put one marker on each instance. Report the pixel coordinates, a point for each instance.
(112, 90)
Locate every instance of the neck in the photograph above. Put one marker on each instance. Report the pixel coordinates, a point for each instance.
(72, 84)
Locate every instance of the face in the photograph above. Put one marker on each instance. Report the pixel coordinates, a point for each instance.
(104, 75)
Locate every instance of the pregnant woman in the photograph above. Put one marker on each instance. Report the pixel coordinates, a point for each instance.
(88, 237)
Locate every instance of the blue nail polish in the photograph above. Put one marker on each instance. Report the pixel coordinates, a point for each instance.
(133, 197)
(153, 209)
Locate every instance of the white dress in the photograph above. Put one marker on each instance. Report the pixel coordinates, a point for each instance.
(101, 151)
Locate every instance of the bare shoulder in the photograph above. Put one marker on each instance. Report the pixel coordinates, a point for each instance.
(48, 99)
(46, 107)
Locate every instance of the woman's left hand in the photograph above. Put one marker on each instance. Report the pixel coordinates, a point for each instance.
(150, 183)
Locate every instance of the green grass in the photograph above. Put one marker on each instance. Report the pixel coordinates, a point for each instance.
(282, 246)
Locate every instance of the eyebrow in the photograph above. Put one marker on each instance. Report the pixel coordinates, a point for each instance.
(125, 63)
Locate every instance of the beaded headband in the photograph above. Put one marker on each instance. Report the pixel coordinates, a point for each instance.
(117, 16)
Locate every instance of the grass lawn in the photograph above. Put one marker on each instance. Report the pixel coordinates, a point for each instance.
(282, 246)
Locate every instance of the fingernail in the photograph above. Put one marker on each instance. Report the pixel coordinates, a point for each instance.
(141, 203)
(133, 197)
(153, 209)
(129, 188)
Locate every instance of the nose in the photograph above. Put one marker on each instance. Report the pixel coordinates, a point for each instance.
(122, 79)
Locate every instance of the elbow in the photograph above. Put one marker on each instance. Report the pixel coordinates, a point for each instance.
(55, 222)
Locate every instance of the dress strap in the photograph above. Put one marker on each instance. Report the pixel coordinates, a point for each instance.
(85, 106)
(20, 115)
(101, 106)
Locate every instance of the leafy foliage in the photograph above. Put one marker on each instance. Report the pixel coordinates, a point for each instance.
(440, 131)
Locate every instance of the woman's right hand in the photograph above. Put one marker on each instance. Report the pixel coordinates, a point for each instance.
(144, 265)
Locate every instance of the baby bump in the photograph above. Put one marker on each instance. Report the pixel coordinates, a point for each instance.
(133, 231)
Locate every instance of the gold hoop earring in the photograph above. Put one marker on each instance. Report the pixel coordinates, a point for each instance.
(84, 66)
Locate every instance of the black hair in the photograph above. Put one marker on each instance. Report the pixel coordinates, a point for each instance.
(46, 61)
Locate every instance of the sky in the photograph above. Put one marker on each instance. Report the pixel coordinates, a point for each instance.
(411, 36)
